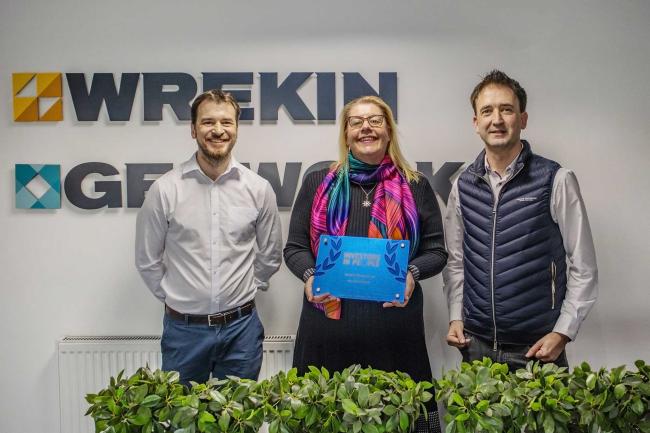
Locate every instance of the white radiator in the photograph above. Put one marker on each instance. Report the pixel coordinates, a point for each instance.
(87, 363)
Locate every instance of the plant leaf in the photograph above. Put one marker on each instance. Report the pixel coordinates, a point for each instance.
(363, 395)
(619, 391)
(142, 416)
(349, 406)
(370, 428)
(151, 400)
(549, 423)
(224, 420)
(403, 421)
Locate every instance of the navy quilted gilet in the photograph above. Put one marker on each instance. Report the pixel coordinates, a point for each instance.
(514, 258)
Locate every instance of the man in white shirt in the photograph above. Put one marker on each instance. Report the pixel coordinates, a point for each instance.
(208, 236)
(522, 274)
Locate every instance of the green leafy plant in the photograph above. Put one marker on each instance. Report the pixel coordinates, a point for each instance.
(473, 397)
(484, 397)
(612, 401)
(146, 402)
(155, 402)
(540, 400)
(229, 405)
(376, 401)
(298, 403)
(354, 400)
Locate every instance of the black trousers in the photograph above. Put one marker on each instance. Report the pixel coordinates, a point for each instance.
(511, 354)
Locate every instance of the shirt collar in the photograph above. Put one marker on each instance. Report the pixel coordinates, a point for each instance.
(509, 169)
(192, 165)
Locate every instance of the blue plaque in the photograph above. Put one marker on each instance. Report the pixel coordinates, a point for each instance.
(368, 269)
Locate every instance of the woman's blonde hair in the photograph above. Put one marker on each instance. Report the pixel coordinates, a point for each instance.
(393, 149)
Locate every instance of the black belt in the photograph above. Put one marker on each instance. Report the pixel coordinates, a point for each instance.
(215, 319)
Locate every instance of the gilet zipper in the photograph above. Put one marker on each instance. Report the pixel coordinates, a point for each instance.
(553, 274)
(492, 252)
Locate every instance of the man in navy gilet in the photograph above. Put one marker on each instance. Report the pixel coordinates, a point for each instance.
(522, 274)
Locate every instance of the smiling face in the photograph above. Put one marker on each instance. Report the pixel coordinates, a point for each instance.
(498, 119)
(367, 143)
(215, 131)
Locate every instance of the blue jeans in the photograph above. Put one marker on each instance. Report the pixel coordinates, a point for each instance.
(511, 354)
(196, 350)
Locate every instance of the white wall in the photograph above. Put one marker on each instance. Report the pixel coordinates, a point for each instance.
(585, 66)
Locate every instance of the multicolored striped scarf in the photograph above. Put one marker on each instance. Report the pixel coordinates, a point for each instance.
(393, 214)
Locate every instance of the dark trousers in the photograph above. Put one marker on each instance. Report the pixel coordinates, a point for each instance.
(197, 351)
(511, 354)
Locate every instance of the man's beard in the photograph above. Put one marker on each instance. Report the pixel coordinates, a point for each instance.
(215, 157)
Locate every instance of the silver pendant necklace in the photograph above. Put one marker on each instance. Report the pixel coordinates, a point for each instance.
(366, 202)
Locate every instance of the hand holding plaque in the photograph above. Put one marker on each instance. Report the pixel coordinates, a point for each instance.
(367, 269)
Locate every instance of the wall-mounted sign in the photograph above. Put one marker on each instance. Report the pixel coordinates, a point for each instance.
(39, 186)
(178, 89)
(38, 96)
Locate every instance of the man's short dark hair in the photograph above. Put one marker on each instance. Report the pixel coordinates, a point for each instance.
(217, 96)
(499, 78)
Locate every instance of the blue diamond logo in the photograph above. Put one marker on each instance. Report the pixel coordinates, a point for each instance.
(38, 186)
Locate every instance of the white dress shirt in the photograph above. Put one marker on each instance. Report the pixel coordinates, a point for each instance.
(568, 211)
(205, 246)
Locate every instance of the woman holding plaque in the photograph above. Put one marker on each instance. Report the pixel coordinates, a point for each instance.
(370, 192)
